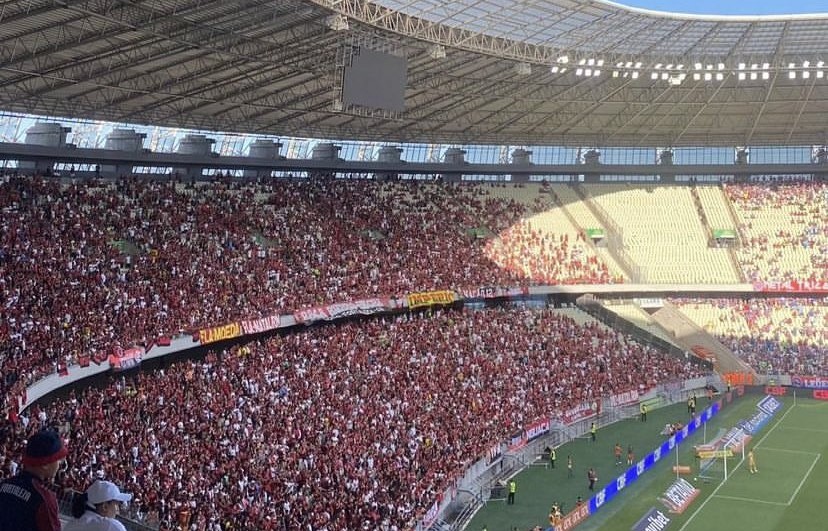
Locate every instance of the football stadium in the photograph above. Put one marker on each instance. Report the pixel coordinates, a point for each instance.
(412, 265)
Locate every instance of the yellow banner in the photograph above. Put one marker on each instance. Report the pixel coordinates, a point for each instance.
(429, 298)
(709, 454)
(219, 333)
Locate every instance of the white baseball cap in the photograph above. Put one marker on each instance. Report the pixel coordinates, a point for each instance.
(104, 491)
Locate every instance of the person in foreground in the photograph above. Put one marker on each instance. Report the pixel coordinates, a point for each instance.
(26, 501)
(96, 509)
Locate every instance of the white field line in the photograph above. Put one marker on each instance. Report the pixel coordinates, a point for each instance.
(751, 500)
(814, 430)
(808, 473)
(789, 451)
(713, 494)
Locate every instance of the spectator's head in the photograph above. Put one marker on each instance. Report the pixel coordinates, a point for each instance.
(44, 452)
(105, 497)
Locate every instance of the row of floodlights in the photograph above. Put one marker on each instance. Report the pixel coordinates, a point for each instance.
(676, 73)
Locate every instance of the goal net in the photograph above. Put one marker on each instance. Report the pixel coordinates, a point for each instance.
(717, 462)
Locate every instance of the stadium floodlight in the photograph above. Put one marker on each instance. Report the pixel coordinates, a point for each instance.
(563, 70)
(741, 76)
(697, 66)
(820, 74)
(596, 73)
(708, 67)
(665, 76)
(591, 62)
(719, 76)
(437, 51)
(806, 64)
(563, 59)
(554, 69)
(754, 66)
(696, 77)
(620, 64)
(680, 66)
(753, 76)
(588, 72)
(806, 74)
(599, 62)
(765, 75)
(629, 64)
(708, 76)
(742, 66)
(635, 75)
(338, 22)
(765, 66)
(654, 75)
(615, 73)
(669, 66)
(820, 64)
(791, 65)
(579, 72)
(791, 75)
(721, 66)
(658, 66)
(638, 64)
(582, 62)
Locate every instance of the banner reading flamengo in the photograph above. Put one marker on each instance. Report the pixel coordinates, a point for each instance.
(429, 298)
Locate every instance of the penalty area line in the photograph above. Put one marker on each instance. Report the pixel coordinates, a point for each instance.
(805, 478)
(751, 500)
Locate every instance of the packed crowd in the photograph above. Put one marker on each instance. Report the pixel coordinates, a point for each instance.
(339, 427)
(774, 336)
(548, 258)
(780, 224)
(91, 266)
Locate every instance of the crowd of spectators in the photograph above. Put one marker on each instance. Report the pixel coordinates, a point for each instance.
(773, 335)
(353, 426)
(358, 426)
(776, 223)
(90, 266)
(547, 257)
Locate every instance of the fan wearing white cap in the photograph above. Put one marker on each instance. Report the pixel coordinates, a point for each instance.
(96, 509)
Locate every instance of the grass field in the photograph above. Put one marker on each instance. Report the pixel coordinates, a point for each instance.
(788, 493)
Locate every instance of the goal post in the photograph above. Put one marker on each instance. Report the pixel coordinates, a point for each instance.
(718, 463)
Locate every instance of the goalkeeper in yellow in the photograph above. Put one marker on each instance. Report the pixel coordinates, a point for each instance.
(752, 462)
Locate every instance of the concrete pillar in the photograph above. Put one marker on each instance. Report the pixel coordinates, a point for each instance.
(127, 141)
(390, 154)
(592, 157)
(454, 156)
(326, 151)
(262, 149)
(48, 134)
(198, 145)
(523, 159)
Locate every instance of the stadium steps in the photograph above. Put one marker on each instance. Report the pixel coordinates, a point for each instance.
(694, 338)
(635, 314)
(613, 233)
(704, 218)
(565, 199)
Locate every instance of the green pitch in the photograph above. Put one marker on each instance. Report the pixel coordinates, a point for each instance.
(787, 493)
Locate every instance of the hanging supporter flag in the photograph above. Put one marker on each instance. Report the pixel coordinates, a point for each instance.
(99, 357)
(163, 341)
(63, 369)
(430, 298)
(83, 361)
(127, 359)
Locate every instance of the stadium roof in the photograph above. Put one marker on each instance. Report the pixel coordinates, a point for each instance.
(514, 72)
